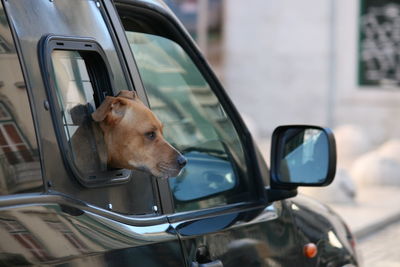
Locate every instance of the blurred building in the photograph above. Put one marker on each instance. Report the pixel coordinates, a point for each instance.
(326, 62)
(204, 20)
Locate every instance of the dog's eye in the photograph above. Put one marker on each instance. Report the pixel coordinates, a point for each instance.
(151, 135)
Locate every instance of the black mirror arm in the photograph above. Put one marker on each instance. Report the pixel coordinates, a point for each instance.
(274, 194)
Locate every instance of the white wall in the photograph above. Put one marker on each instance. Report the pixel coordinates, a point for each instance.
(286, 60)
(276, 61)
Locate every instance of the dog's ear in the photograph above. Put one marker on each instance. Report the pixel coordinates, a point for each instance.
(101, 112)
(112, 108)
(128, 94)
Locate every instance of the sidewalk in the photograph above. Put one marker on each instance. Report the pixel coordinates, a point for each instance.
(375, 208)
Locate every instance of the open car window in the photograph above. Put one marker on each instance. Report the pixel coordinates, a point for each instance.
(194, 122)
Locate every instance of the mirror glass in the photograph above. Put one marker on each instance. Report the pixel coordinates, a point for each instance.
(304, 156)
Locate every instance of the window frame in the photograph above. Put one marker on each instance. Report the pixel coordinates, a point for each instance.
(47, 45)
(252, 157)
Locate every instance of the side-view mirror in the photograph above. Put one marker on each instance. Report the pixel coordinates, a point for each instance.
(302, 155)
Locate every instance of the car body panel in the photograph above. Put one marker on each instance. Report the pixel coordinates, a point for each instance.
(318, 224)
(261, 236)
(51, 231)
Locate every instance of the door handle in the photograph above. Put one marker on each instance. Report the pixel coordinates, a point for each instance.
(216, 263)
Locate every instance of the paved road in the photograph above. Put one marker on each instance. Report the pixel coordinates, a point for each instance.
(381, 249)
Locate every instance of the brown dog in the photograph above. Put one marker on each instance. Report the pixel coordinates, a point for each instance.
(133, 137)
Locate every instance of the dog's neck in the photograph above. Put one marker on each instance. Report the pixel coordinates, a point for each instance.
(99, 142)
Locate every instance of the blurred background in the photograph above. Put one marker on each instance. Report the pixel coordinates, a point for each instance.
(334, 63)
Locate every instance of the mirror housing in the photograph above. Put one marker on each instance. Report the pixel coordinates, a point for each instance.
(301, 155)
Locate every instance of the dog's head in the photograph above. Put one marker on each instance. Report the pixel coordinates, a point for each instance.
(134, 137)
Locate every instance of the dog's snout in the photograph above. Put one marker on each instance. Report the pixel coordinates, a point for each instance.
(181, 161)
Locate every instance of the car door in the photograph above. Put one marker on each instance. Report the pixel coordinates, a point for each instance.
(56, 56)
(217, 205)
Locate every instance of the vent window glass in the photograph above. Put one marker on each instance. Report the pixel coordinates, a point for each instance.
(75, 95)
(81, 80)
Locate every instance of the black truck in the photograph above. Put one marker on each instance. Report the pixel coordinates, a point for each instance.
(226, 208)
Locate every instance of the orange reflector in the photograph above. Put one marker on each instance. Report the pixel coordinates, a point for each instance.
(310, 250)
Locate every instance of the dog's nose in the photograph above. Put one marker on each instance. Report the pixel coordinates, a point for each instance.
(181, 161)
